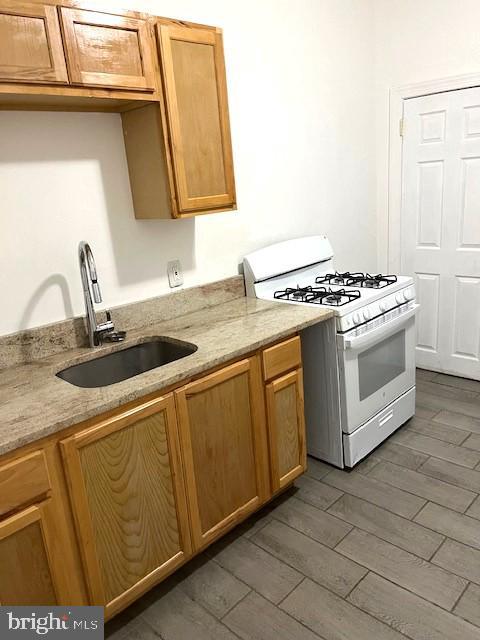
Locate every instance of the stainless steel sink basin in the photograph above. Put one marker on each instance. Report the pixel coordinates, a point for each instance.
(124, 364)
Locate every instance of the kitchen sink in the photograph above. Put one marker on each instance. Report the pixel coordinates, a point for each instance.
(127, 363)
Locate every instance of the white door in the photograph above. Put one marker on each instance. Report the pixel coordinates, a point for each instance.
(441, 227)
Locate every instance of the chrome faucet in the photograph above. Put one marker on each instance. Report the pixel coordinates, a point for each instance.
(105, 331)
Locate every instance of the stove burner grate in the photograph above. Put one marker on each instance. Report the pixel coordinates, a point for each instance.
(365, 280)
(317, 295)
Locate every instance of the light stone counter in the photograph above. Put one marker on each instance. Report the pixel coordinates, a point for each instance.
(34, 403)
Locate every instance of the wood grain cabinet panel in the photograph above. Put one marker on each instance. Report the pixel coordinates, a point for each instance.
(282, 357)
(223, 435)
(23, 481)
(26, 576)
(126, 487)
(286, 428)
(108, 50)
(30, 43)
(197, 111)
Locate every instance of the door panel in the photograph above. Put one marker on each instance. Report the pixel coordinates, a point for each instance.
(197, 110)
(469, 229)
(441, 227)
(286, 428)
(26, 577)
(107, 50)
(30, 43)
(467, 311)
(127, 490)
(428, 291)
(222, 427)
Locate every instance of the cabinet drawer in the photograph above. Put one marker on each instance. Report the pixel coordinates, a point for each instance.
(22, 481)
(282, 357)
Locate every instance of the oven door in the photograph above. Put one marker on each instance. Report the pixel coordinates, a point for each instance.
(375, 368)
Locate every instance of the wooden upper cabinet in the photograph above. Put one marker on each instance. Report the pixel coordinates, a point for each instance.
(108, 50)
(127, 491)
(224, 447)
(197, 112)
(30, 43)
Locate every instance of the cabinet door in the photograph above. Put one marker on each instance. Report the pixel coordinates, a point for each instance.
(127, 492)
(286, 428)
(26, 577)
(222, 429)
(197, 111)
(30, 43)
(108, 50)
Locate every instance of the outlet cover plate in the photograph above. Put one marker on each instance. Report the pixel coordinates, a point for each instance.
(175, 273)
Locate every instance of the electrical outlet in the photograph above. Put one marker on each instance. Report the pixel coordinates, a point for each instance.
(175, 273)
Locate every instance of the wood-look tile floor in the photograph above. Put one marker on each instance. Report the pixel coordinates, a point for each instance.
(387, 551)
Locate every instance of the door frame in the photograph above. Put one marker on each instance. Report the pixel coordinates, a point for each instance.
(397, 97)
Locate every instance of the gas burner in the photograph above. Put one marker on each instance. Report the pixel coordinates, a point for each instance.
(317, 295)
(357, 280)
(300, 294)
(372, 282)
(335, 298)
(340, 297)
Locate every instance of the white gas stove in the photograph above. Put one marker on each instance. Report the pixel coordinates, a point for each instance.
(359, 370)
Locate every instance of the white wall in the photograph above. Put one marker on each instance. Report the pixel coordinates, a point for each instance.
(416, 41)
(300, 83)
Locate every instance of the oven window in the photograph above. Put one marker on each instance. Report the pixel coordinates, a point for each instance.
(381, 364)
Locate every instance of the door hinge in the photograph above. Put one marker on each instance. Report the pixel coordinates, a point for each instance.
(401, 127)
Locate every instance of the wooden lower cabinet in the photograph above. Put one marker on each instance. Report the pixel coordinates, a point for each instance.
(26, 559)
(38, 556)
(127, 492)
(102, 515)
(224, 447)
(286, 428)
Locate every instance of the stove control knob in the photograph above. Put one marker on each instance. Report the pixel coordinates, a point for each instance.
(408, 294)
(383, 306)
(357, 318)
(399, 298)
(366, 314)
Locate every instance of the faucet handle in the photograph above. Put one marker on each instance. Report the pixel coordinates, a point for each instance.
(114, 336)
(106, 330)
(106, 326)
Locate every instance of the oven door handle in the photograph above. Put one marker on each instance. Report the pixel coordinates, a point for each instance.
(383, 331)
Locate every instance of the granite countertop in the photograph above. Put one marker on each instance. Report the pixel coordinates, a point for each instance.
(34, 403)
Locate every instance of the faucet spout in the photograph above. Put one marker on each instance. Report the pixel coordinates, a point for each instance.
(91, 293)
